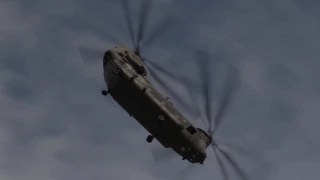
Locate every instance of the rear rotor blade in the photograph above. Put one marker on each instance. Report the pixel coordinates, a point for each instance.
(90, 55)
(221, 165)
(203, 66)
(126, 11)
(227, 97)
(228, 90)
(234, 164)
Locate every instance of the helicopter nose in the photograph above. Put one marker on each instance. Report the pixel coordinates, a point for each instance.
(200, 154)
(200, 157)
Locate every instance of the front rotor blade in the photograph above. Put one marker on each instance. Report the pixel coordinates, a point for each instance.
(263, 166)
(126, 12)
(227, 97)
(142, 21)
(90, 55)
(222, 167)
(238, 149)
(203, 66)
(190, 84)
(180, 100)
(182, 79)
(234, 164)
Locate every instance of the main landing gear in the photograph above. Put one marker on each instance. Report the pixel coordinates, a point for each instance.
(104, 92)
(149, 139)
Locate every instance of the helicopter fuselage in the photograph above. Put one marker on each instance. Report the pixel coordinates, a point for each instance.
(125, 76)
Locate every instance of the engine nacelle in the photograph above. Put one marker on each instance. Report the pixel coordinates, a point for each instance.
(128, 55)
(136, 63)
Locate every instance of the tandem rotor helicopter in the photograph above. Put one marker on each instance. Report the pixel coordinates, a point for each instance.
(125, 74)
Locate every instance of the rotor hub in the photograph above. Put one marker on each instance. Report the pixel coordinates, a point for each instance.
(137, 52)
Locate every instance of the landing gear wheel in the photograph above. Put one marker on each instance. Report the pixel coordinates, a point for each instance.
(149, 139)
(104, 92)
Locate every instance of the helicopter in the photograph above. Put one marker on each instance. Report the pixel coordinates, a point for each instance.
(126, 74)
(125, 77)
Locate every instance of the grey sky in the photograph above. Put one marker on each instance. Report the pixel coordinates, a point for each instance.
(54, 124)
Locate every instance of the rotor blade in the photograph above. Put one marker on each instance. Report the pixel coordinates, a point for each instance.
(160, 27)
(234, 164)
(237, 149)
(263, 166)
(126, 12)
(162, 154)
(203, 65)
(180, 100)
(90, 55)
(222, 167)
(228, 93)
(186, 81)
(142, 20)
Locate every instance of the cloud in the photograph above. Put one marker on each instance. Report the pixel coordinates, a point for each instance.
(55, 124)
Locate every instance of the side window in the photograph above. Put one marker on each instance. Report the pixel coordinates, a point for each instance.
(191, 130)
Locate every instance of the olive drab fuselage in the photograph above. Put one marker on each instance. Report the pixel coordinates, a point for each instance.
(125, 76)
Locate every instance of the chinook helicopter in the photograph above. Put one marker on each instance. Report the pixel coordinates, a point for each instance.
(125, 77)
(126, 74)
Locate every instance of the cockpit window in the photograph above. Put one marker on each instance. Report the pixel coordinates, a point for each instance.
(191, 130)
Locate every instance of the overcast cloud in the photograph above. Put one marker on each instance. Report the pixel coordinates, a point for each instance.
(54, 124)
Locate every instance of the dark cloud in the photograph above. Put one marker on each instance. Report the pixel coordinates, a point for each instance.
(54, 124)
